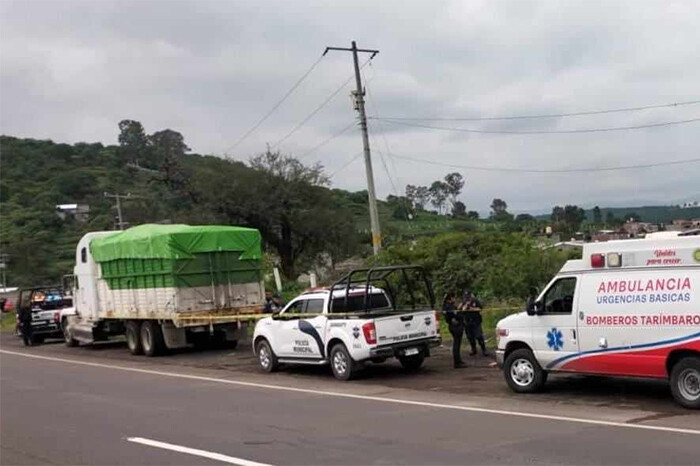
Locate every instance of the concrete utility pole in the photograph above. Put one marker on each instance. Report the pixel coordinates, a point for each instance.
(119, 197)
(359, 95)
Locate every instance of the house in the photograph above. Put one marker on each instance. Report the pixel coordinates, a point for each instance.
(81, 212)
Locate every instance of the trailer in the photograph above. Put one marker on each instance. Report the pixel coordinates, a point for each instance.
(164, 286)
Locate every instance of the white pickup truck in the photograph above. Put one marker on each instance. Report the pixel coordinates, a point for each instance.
(359, 324)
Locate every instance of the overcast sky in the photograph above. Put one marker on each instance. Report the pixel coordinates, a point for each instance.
(70, 71)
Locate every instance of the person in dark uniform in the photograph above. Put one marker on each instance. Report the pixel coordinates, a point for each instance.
(25, 322)
(472, 320)
(456, 325)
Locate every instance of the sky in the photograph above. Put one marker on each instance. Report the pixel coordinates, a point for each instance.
(70, 71)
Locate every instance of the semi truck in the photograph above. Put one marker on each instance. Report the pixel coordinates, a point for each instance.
(164, 286)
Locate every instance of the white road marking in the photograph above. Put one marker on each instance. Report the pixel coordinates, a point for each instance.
(195, 452)
(473, 409)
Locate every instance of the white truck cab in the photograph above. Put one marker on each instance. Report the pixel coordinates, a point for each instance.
(345, 327)
(627, 308)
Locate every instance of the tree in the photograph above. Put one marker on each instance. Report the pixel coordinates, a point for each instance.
(417, 196)
(597, 216)
(459, 209)
(499, 210)
(454, 183)
(567, 219)
(521, 218)
(168, 145)
(133, 142)
(611, 220)
(438, 194)
(473, 214)
(295, 213)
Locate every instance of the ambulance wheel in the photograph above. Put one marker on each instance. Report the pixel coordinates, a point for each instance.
(685, 382)
(133, 337)
(523, 373)
(37, 339)
(267, 358)
(342, 364)
(152, 338)
(412, 363)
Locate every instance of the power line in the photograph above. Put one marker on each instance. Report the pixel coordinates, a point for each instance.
(327, 140)
(317, 109)
(346, 164)
(533, 170)
(551, 115)
(570, 131)
(276, 106)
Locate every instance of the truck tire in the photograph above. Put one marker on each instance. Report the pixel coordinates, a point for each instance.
(523, 373)
(152, 338)
(342, 364)
(412, 363)
(685, 382)
(68, 334)
(266, 357)
(133, 337)
(37, 339)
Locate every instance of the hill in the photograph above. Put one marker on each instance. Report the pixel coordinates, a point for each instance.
(651, 214)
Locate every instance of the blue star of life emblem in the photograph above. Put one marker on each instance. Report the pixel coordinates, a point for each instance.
(555, 339)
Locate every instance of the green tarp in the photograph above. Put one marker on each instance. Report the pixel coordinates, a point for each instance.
(176, 242)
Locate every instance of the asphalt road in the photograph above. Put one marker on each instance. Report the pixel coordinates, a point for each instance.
(78, 409)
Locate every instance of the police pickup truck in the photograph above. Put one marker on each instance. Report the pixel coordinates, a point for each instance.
(353, 322)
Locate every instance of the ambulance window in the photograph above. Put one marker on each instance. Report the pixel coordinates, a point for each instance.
(559, 299)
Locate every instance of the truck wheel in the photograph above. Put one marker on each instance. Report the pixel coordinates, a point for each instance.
(133, 337)
(68, 334)
(341, 362)
(412, 363)
(523, 373)
(267, 358)
(37, 339)
(685, 382)
(152, 338)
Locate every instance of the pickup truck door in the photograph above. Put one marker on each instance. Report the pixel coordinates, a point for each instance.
(301, 337)
(554, 330)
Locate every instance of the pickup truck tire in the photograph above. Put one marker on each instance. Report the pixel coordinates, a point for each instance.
(37, 339)
(133, 337)
(152, 338)
(68, 334)
(412, 363)
(685, 382)
(523, 373)
(342, 364)
(266, 357)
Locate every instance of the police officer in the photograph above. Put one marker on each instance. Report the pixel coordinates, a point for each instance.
(472, 319)
(455, 323)
(273, 303)
(25, 322)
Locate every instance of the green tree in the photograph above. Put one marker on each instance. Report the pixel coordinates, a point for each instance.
(133, 142)
(499, 210)
(597, 216)
(459, 209)
(438, 194)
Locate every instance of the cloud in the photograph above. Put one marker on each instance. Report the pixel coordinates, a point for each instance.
(71, 70)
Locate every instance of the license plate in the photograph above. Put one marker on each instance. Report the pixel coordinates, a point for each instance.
(411, 351)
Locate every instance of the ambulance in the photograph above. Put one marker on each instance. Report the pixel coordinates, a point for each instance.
(628, 308)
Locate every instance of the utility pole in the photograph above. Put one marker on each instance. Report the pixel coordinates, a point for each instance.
(119, 197)
(359, 95)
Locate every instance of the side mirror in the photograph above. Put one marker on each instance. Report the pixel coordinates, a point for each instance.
(530, 307)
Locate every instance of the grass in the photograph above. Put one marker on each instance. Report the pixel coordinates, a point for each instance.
(7, 322)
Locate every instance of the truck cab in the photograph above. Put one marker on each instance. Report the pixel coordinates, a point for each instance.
(346, 326)
(627, 308)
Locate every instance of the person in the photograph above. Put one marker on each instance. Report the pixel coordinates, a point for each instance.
(25, 322)
(472, 319)
(456, 325)
(273, 303)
